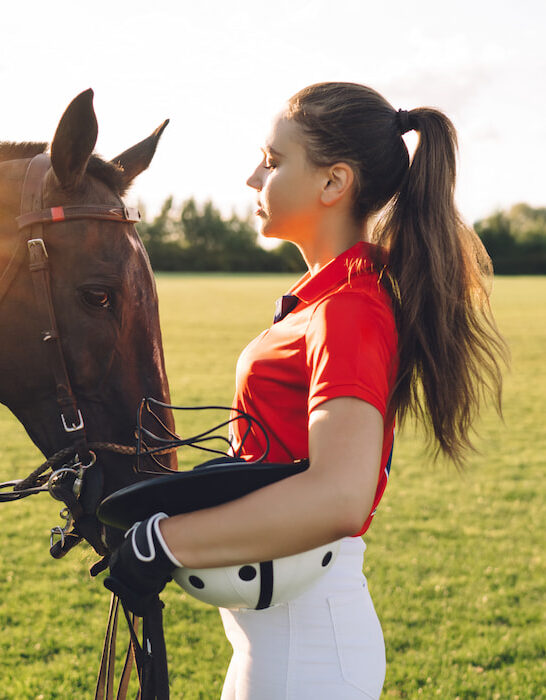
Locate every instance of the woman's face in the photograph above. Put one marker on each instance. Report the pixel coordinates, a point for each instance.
(288, 185)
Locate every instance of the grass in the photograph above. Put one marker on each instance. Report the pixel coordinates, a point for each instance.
(455, 562)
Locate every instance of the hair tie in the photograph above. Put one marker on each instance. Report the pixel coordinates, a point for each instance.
(403, 121)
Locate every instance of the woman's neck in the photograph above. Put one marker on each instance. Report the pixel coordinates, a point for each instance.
(329, 242)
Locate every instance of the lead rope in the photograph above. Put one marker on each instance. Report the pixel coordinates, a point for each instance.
(105, 681)
(106, 670)
(35, 477)
(128, 666)
(150, 658)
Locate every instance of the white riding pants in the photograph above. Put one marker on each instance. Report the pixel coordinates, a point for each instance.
(327, 644)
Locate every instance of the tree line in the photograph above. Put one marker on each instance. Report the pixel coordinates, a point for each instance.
(196, 237)
(516, 240)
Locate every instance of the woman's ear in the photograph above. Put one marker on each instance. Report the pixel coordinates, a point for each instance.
(338, 183)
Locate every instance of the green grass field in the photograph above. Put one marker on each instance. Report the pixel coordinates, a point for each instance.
(455, 562)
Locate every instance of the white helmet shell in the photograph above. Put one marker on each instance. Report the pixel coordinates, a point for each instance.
(258, 585)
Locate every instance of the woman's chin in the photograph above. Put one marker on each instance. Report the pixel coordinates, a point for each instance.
(266, 230)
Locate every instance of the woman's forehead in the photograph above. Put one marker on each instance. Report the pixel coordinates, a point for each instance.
(283, 134)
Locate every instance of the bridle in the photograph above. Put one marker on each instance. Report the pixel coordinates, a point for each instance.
(32, 220)
(65, 478)
(65, 481)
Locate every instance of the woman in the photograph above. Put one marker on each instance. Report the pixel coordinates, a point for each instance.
(372, 332)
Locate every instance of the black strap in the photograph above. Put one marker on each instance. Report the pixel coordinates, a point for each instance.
(153, 633)
(151, 656)
(266, 585)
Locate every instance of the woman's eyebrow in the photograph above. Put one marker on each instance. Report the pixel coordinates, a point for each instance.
(270, 149)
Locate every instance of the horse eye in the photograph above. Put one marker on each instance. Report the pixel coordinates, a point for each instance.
(97, 298)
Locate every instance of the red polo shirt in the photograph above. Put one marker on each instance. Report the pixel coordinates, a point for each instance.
(339, 340)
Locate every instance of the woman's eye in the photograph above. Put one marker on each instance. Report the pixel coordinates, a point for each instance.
(97, 298)
(269, 165)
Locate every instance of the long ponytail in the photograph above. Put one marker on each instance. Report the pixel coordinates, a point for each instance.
(448, 342)
(449, 347)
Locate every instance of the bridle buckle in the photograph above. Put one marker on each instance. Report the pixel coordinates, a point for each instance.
(73, 427)
(32, 242)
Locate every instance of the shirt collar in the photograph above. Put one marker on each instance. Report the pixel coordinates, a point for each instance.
(361, 258)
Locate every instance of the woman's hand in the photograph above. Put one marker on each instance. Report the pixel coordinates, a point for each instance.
(142, 566)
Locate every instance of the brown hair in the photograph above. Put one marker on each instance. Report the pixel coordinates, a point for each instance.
(449, 347)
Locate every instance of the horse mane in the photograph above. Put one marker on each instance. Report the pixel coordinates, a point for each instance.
(25, 149)
(108, 173)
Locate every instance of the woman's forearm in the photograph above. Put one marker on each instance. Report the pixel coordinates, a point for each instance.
(328, 501)
(289, 516)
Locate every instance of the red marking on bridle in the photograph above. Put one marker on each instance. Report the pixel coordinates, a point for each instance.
(57, 214)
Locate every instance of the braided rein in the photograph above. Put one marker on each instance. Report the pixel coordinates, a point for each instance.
(34, 482)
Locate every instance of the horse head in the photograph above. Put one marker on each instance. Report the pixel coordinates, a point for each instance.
(79, 250)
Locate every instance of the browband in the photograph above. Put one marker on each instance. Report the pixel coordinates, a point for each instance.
(129, 215)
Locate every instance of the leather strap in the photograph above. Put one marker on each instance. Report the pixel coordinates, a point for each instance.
(31, 198)
(104, 690)
(70, 415)
(123, 687)
(105, 680)
(150, 658)
(104, 212)
(31, 201)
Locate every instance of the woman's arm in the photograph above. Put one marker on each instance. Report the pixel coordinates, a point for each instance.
(330, 500)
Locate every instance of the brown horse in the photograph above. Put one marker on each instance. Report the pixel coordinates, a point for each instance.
(80, 336)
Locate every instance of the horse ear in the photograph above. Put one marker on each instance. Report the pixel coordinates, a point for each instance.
(136, 159)
(74, 140)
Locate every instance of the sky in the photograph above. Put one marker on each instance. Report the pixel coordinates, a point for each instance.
(221, 70)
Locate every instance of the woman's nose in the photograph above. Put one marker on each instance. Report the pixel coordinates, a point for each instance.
(254, 180)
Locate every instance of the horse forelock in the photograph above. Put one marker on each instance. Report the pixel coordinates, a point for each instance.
(108, 173)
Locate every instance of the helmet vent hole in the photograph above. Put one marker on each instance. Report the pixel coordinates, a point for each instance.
(196, 582)
(327, 558)
(247, 573)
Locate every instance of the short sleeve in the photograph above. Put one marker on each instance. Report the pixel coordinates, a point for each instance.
(351, 349)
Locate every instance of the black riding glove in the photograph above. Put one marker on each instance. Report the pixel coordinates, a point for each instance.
(142, 566)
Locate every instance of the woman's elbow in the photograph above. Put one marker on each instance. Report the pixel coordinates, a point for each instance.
(350, 514)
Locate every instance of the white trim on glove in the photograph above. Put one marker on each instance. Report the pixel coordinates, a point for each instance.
(152, 523)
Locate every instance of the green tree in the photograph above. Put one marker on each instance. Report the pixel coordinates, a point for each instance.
(161, 238)
(515, 239)
(197, 238)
